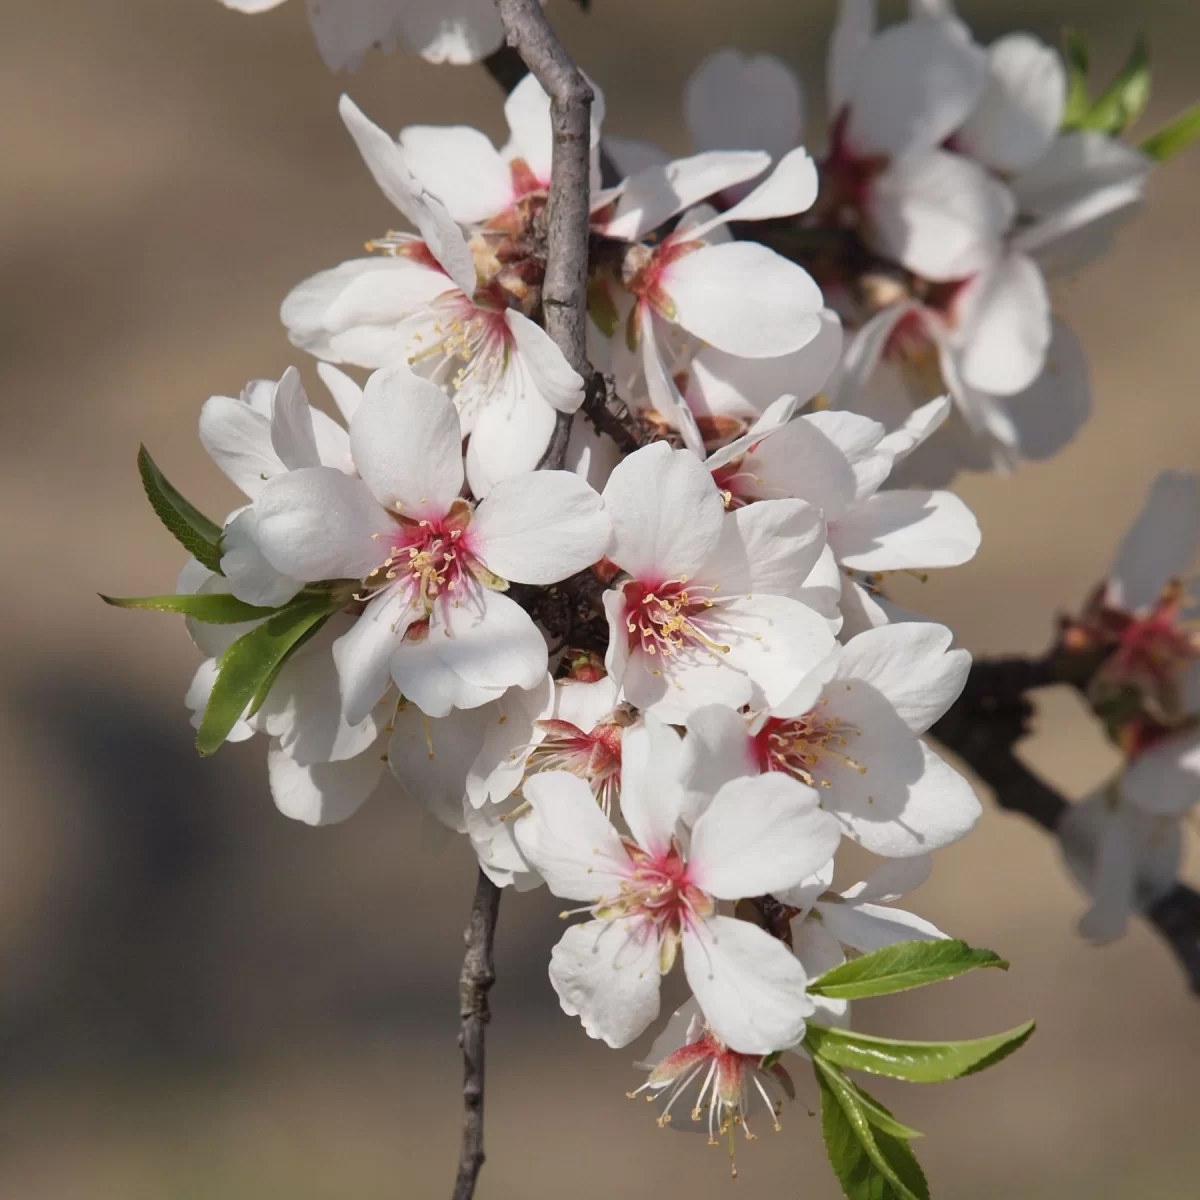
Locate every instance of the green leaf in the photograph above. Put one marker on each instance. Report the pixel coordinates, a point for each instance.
(251, 662)
(869, 1163)
(216, 608)
(1075, 52)
(1176, 135)
(915, 1062)
(901, 966)
(199, 536)
(882, 1117)
(1125, 99)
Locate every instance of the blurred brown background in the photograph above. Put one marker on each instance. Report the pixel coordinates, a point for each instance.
(200, 999)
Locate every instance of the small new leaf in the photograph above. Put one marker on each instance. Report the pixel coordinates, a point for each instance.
(901, 966)
(218, 608)
(1078, 103)
(869, 1162)
(1125, 98)
(199, 536)
(1174, 136)
(252, 661)
(914, 1062)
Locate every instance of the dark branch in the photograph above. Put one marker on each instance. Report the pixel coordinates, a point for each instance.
(475, 982)
(564, 291)
(983, 728)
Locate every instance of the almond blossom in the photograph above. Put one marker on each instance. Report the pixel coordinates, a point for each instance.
(425, 306)
(655, 892)
(706, 610)
(852, 730)
(453, 31)
(838, 462)
(432, 567)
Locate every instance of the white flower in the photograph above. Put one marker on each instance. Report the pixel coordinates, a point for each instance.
(453, 31)
(708, 612)
(1123, 857)
(838, 462)
(479, 184)
(657, 891)
(421, 306)
(852, 729)
(430, 563)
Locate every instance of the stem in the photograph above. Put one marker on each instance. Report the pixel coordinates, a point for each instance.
(475, 982)
(564, 291)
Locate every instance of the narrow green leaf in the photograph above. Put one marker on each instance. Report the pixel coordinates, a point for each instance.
(216, 608)
(267, 684)
(869, 1163)
(915, 1062)
(882, 1117)
(1125, 98)
(902, 966)
(251, 661)
(199, 536)
(1176, 135)
(1075, 52)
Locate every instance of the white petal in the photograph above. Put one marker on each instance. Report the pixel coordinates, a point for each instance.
(666, 513)
(509, 733)
(851, 36)
(749, 986)
(1021, 107)
(500, 858)
(660, 191)
(664, 393)
(406, 443)
(1160, 545)
(1079, 162)
(238, 440)
(905, 530)
(652, 795)
(346, 29)
(744, 298)
(251, 577)
(1165, 780)
(569, 840)
(803, 461)
(606, 974)
(292, 435)
(734, 101)
(509, 436)
(429, 758)
(819, 951)
(555, 380)
(461, 167)
(770, 547)
(197, 696)
(910, 664)
(317, 523)
(940, 215)
(540, 528)
(891, 880)
(773, 640)
(718, 748)
(790, 189)
(364, 653)
(915, 85)
(346, 393)
(323, 793)
(1006, 328)
(632, 155)
(1049, 412)
(492, 645)
(451, 31)
(760, 834)
(868, 927)
(432, 685)
(917, 428)
(385, 161)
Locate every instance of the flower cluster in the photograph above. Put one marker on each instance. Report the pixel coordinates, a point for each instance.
(658, 672)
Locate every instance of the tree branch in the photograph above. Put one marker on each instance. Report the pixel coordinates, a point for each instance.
(564, 291)
(475, 982)
(983, 727)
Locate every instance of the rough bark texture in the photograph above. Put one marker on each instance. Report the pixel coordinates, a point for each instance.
(475, 982)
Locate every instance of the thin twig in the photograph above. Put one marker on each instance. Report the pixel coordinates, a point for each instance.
(478, 975)
(983, 727)
(564, 290)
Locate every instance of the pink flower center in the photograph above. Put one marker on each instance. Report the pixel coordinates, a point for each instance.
(737, 485)
(806, 747)
(594, 756)
(659, 891)
(669, 618)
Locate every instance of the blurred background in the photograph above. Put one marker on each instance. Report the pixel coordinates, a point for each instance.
(201, 999)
